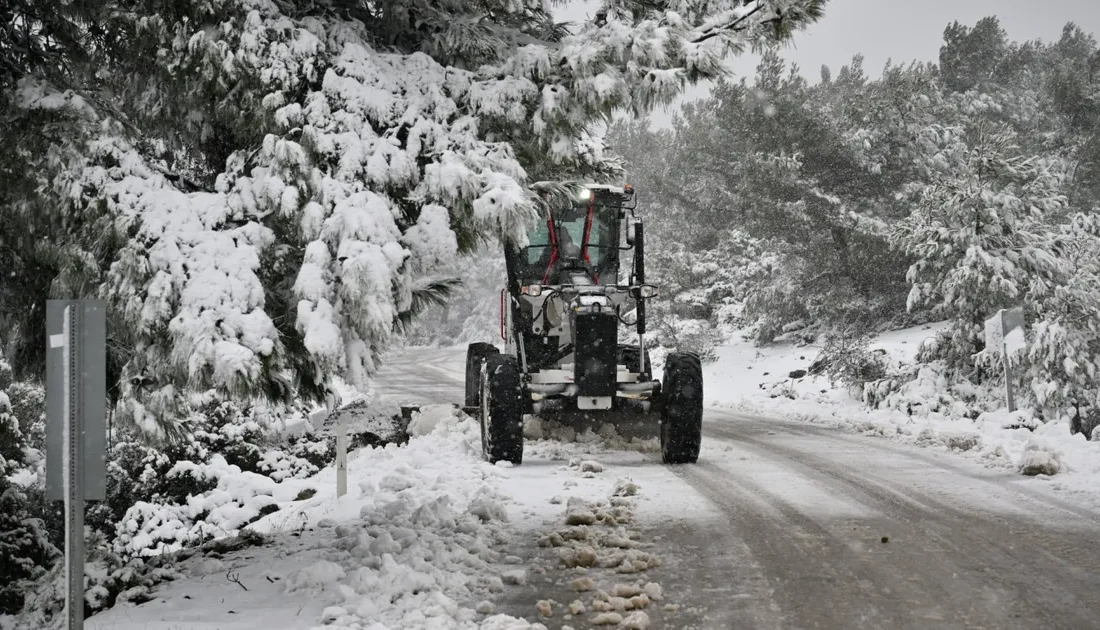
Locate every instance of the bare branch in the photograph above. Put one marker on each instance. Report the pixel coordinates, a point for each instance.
(235, 578)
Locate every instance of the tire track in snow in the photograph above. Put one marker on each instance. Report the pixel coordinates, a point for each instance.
(817, 578)
(1007, 482)
(1013, 571)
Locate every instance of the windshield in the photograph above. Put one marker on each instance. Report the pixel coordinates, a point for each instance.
(582, 237)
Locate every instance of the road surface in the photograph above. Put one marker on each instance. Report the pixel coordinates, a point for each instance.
(807, 527)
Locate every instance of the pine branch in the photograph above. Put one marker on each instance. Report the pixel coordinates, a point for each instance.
(425, 295)
(734, 26)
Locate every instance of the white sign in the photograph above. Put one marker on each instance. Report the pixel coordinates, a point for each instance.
(1004, 332)
(1014, 341)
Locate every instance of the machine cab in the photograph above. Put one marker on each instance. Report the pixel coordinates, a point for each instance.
(576, 242)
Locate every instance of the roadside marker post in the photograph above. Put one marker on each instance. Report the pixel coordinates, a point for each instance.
(76, 433)
(1004, 333)
(342, 457)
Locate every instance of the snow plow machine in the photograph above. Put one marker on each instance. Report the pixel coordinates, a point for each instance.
(569, 294)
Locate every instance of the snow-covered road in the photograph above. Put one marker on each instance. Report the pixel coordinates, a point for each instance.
(853, 532)
(787, 525)
(781, 524)
(423, 376)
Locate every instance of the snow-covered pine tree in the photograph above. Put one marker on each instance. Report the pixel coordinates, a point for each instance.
(978, 234)
(257, 185)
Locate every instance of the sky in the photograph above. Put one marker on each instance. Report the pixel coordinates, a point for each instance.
(901, 30)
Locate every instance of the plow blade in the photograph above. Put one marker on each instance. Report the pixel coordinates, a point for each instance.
(627, 423)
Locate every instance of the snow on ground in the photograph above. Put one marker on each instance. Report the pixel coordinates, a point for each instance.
(413, 544)
(431, 536)
(756, 380)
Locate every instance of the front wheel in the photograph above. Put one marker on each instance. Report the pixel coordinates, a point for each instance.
(682, 413)
(501, 410)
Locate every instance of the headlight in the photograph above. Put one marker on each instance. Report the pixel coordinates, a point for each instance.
(584, 194)
(534, 290)
(647, 291)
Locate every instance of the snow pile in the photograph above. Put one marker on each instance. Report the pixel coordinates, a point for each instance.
(415, 538)
(430, 417)
(601, 555)
(416, 543)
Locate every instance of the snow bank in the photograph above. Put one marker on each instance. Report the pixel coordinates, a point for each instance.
(757, 380)
(432, 417)
(415, 537)
(414, 544)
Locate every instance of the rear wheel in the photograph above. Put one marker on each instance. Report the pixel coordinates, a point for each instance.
(682, 413)
(501, 410)
(475, 358)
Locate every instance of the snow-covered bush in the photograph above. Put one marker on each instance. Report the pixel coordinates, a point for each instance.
(210, 483)
(108, 579)
(925, 388)
(848, 359)
(26, 551)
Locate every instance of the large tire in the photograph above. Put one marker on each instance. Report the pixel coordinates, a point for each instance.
(475, 358)
(629, 356)
(682, 411)
(501, 410)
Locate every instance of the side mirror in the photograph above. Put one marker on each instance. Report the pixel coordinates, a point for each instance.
(629, 233)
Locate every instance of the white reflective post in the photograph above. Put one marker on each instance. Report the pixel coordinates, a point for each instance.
(73, 449)
(342, 456)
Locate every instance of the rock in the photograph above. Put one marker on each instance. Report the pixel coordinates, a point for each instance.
(544, 608)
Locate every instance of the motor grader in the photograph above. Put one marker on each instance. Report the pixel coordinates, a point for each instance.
(573, 292)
